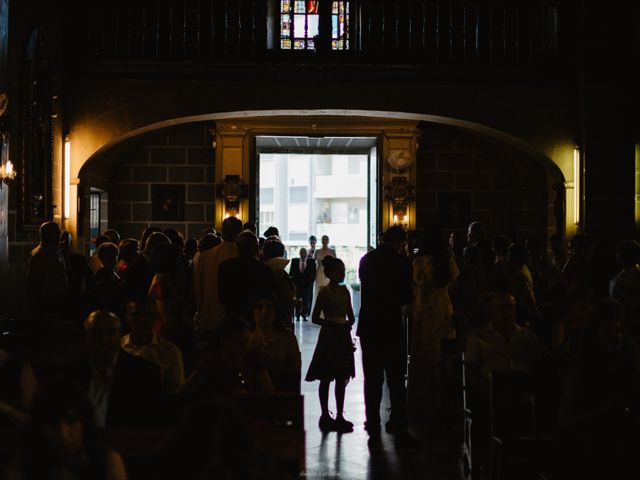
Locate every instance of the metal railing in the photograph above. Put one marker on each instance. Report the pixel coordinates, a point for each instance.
(446, 32)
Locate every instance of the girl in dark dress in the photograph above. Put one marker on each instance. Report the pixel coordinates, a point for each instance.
(333, 357)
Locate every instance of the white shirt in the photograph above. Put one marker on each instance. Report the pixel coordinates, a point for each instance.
(165, 354)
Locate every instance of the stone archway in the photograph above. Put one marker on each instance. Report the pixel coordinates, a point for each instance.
(308, 121)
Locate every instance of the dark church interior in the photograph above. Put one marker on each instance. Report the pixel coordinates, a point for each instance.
(355, 239)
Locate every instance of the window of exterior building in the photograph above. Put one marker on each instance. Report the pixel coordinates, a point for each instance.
(300, 24)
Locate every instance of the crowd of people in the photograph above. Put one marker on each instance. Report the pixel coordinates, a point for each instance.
(213, 317)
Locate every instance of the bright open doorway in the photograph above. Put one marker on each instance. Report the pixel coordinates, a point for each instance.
(320, 186)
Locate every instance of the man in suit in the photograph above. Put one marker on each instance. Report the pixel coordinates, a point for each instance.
(124, 389)
(385, 276)
(303, 273)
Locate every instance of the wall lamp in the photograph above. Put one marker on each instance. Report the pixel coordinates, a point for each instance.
(577, 185)
(66, 180)
(7, 172)
(400, 193)
(232, 191)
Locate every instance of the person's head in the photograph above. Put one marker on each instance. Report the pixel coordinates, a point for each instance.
(271, 232)
(533, 246)
(272, 248)
(502, 311)
(146, 234)
(325, 241)
(579, 244)
(471, 255)
(266, 313)
(251, 227)
(140, 316)
(233, 337)
(102, 329)
(629, 253)
(107, 253)
(128, 250)
(395, 237)
(247, 243)
(209, 241)
(49, 234)
(231, 227)
(303, 253)
(62, 423)
(312, 242)
(175, 237)
(517, 256)
(476, 232)
(555, 242)
(190, 247)
(333, 268)
(100, 239)
(154, 241)
(64, 242)
(112, 235)
(164, 259)
(500, 246)
(430, 240)
(603, 327)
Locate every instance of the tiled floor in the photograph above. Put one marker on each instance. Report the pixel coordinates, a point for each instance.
(347, 456)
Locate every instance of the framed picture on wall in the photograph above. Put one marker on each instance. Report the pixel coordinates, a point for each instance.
(167, 202)
(455, 209)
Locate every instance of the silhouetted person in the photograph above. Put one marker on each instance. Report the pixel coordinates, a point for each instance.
(333, 356)
(47, 279)
(521, 285)
(251, 227)
(385, 277)
(273, 257)
(281, 352)
(303, 273)
(477, 236)
(103, 285)
(575, 268)
(629, 276)
(143, 342)
(558, 252)
(94, 262)
(113, 236)
(123, 388)
(210, 310)
(78, 274)
(244, 278)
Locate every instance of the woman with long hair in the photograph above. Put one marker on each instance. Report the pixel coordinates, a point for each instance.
(433, 270)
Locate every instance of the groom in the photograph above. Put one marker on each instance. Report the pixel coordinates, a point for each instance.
(303, 273)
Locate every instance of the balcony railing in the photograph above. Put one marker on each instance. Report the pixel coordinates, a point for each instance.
(446, 32)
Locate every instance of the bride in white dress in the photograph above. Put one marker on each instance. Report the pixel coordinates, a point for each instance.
(321, 279)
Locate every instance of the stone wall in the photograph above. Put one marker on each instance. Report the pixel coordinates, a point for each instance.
(461, 177)
(184, 158)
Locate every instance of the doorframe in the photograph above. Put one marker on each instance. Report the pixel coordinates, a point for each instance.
(254, 168)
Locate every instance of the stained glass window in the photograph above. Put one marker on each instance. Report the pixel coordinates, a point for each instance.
(300, 20)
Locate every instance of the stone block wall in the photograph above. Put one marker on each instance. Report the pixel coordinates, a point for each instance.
(183, 157)
(461, 178)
